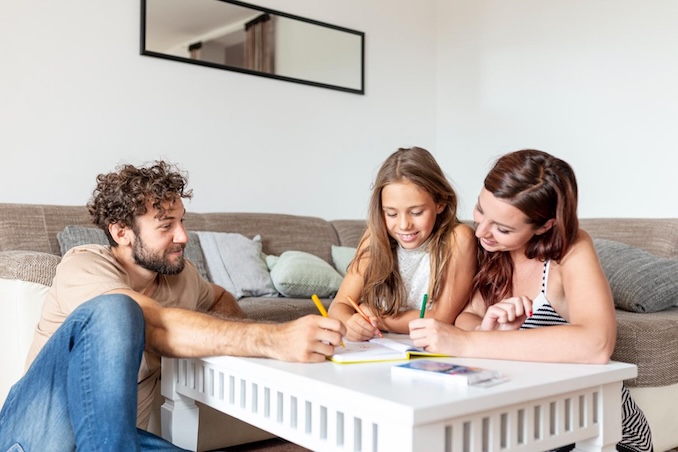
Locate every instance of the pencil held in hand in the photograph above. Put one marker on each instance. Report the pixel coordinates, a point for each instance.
(321, 308)
(319, 305)
(423, 306)
(360, 311)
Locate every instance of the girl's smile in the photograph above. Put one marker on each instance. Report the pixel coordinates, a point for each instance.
(409, 213)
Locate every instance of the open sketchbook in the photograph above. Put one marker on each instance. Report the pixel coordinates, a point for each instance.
(393, 347)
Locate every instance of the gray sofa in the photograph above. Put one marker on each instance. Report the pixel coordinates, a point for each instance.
(30, 251)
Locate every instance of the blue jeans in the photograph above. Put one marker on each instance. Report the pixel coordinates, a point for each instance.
(81, 390)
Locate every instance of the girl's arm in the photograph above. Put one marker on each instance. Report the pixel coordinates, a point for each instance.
(357, 328)
(455, 288)
(588, 307)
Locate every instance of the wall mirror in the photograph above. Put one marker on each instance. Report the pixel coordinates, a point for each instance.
(241, 37)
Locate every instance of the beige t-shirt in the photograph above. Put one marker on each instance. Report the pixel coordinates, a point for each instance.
(91, 270)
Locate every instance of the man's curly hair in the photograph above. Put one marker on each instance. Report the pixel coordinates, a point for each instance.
(121, 196)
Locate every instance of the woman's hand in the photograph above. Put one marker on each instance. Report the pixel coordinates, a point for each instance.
(508, 314)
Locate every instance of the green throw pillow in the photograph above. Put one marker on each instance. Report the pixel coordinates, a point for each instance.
(342, 256)
(298, 274)
(640, 281)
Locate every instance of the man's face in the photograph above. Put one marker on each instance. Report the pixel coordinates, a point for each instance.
(160, 241)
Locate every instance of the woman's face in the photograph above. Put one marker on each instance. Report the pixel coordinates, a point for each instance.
(501, 226)
(409, 213)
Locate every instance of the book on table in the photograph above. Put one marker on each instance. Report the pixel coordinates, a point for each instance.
(392, 347)
(449, 372)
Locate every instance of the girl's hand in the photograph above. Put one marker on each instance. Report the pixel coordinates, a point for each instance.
(435, 336)
(359, 329)
(508, 314)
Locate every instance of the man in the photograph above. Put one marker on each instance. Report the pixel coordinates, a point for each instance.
(113, 311)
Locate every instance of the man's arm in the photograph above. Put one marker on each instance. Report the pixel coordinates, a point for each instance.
(225, 305)
(177, 332)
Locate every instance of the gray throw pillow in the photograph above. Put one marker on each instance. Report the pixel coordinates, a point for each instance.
(236, 263)
(75, 235)
(193, 253)
(640, 281)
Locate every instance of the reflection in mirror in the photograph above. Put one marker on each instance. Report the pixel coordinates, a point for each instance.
(241, 37)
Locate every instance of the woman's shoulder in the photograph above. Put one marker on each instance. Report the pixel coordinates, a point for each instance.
(582, 248)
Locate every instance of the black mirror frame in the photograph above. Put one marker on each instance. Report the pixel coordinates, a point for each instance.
(263, 74)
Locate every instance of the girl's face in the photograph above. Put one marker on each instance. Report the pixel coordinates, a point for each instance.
(501, 226)
(409, 213)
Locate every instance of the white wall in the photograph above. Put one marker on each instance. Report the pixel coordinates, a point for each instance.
(591, 81)
(76, 99)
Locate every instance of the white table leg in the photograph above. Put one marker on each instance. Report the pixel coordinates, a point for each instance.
(609, 417)
(179, 415)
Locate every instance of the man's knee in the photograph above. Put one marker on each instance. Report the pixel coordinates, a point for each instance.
(115, 306)
(114, 314)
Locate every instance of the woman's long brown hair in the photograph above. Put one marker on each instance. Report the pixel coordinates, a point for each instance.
(543, 187)
(383, 290)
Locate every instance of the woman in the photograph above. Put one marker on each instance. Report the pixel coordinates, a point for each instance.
(536, 269)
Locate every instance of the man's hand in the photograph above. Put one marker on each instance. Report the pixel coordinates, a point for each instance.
(311, 338)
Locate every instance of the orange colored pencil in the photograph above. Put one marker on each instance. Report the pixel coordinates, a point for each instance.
(360, 311)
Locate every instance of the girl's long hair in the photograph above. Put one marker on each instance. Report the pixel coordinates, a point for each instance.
(543, 187)
(384, 290)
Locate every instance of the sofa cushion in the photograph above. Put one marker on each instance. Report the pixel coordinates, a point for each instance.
(75, 235)
(283, 310)
(279, 232)
(659, 236)
(349, 231)
(236, 263)
(342, 257)
(649, 341)
(640, 281)
(31, 266)
(300, 274)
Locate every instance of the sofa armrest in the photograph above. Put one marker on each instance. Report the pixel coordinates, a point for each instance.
(31, 266)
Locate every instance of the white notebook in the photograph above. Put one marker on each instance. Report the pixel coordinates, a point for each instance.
(392, 348)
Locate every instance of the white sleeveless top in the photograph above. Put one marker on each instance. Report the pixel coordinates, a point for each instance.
(415, 268)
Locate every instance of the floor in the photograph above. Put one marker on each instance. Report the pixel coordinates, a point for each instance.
(269, 445)
(280, 445)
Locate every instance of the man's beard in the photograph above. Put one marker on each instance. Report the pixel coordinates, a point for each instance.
(156, 262)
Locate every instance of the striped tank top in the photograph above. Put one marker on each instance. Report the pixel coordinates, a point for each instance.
(636, 435)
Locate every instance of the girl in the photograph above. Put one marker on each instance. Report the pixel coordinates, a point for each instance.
(536, 269)
(414, 246)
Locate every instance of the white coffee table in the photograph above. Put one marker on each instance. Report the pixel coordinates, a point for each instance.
(361, 407)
